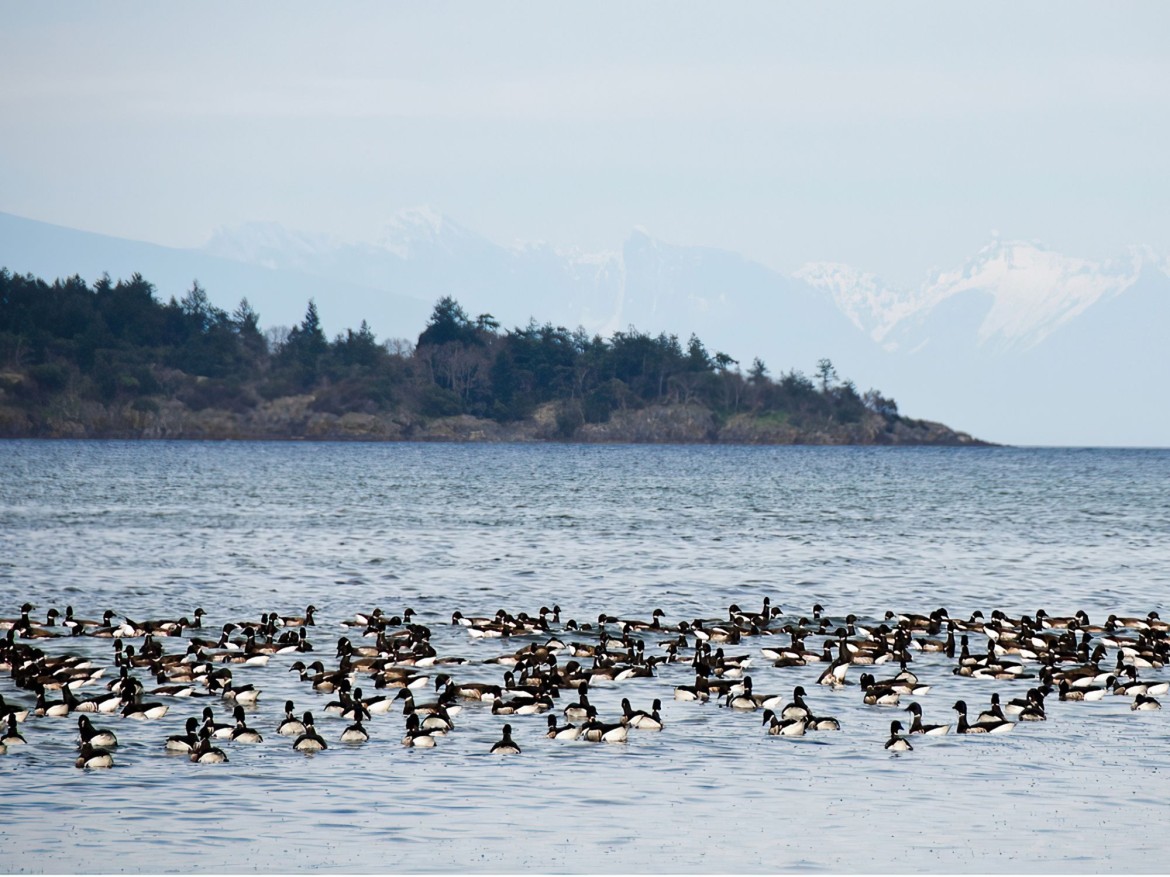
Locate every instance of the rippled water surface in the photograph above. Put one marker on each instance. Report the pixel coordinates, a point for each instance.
(155, 529)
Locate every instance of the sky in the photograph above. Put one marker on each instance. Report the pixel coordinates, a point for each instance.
(897, 137)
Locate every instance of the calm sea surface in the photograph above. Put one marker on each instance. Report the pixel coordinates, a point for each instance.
(152, 530)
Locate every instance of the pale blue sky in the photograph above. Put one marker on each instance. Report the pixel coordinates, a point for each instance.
(892, 136)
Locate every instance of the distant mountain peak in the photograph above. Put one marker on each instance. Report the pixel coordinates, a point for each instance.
(269, 244)
(1033, 290)
(415, 229)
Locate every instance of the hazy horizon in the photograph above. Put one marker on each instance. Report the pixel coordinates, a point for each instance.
(897, 138)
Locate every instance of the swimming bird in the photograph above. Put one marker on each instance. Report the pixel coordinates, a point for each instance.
(916, 726)
(355, 733)
(822, 723)
(206, 753)
(1090, 693)
(641, 720)
(291, 726)
(565, 732)
(93, 757)
(778, 727)
(993, 713)
(310, 740)
(417, 736)
(700, 691)
(241, 733)
(217, 730)
(596, 731)
(897, 743)
(187, 742)
(1145, 702)
(506, 745)
(965, 727)
(100, 737)
(12, 737)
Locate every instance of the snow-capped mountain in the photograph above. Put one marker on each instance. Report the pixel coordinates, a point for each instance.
(1031, 293)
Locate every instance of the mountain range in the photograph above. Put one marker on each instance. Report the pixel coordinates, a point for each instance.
(1019, 344)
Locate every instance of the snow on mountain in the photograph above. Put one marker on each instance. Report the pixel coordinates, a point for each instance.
(269, 244)
(870, 305)
(1033, 291)
(415, 231)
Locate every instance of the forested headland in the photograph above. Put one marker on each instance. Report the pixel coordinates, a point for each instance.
(113, 361)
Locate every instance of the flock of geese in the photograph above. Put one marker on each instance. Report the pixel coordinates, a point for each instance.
(383, 664)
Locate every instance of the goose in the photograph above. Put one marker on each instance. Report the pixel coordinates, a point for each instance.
(876, 694)
(21, 623)
(521, 707)
(506, 745)
(187, 742)
(54, 708)
(445, 706)
(834, 674)
(89, 734)
(305, 620)
(474, 690)
(599, 732)
(93, 757)
(247, 694)
(241, 733)
(291, 726)
(206, 753)
(822, 723)
(1145, 702)
(217, 730)
(417, 736)
(641, 720)
(310, 740)
(377, 705)
(1068, 692)
(700, 691)
(897, 743)
(579, 709)
(916, 726)
(778, 727)
(355, 733)
(144, 711)
(994, 713)
(20, 713)
(743, 701)
(965, 727)
(794, 709)
(12, 737)
(565, 732)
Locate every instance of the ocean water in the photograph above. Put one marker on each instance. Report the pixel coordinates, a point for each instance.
(153, 530)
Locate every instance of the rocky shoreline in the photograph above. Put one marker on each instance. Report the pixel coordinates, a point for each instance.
(293, 418)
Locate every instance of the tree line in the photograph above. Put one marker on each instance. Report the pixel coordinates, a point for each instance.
(117, 343)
